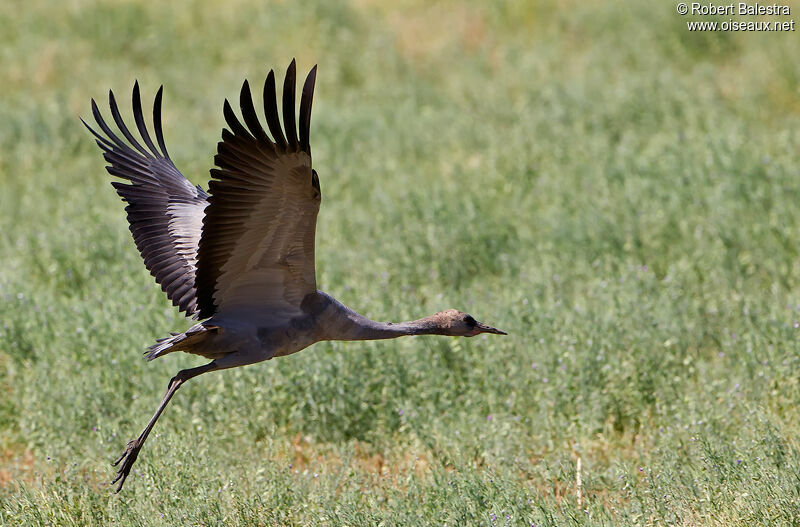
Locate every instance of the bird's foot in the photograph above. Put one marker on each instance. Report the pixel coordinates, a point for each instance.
(128, 458)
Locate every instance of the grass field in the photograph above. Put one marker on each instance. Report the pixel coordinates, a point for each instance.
(619, 194)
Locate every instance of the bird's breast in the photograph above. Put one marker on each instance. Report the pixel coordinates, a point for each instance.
(278, 342)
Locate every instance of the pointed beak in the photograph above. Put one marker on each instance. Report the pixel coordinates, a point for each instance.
(489, 329)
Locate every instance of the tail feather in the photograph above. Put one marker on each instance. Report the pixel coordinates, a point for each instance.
(175, 342)
(161, 346)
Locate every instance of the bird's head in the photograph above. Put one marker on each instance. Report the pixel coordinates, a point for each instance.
(459, 324)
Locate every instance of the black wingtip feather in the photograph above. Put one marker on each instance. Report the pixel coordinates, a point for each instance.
(249, 114)
(157, 121)
(305, 110)
(101, 141)
(112, 137)
(112, 102)
(233, 122)
(289, 122)
(271, 111)
(138, 116)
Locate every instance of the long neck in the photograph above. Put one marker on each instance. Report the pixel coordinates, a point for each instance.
(367, 329)
(358, 327)
(342, 323)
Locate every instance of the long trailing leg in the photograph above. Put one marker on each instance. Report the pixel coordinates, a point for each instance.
(132, 450)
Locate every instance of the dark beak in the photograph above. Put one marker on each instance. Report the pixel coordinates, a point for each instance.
(489, 329)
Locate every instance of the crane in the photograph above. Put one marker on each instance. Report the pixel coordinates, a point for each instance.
(240, 257)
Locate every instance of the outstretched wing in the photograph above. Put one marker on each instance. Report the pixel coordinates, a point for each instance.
(165, 211)
(257, 248)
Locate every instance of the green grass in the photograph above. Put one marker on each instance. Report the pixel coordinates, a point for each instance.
(620, 195)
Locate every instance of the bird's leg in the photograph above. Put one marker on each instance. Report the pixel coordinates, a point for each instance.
(132, 450)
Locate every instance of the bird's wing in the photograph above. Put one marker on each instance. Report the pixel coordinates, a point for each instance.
(165, 211)
(257, 249)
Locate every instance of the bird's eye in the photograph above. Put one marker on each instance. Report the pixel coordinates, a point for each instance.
(470, 321)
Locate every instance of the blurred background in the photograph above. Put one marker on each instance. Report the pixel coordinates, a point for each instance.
(616, 192)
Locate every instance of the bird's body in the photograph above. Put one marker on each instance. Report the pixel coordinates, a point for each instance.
(240, 257)
(237, 341)
(240, 340)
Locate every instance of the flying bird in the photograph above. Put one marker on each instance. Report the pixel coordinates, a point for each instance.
(240, 257)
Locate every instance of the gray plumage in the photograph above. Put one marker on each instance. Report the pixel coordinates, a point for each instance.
(239, 258)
